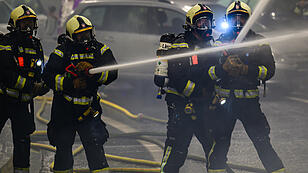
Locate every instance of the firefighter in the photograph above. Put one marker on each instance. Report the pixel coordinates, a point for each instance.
(239, 74)
(76, 105)
(187, 93)
(22, 59)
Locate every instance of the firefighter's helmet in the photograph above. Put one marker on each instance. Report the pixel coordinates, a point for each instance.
(236, 13)
(19, 13)
(200, 19)
(78, 24)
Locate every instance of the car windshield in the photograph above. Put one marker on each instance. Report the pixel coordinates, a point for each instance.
(135, 19)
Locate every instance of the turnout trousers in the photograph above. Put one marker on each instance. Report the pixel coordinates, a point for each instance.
(62, 131)
(22, 121)
(248, 111)
(180, 129)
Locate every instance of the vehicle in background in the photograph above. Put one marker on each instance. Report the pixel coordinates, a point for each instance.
(132, 28)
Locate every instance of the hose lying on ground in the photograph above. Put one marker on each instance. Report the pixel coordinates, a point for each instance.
(136, 135)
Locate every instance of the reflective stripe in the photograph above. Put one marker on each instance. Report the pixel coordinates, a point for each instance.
(217, 170)
(74, 56)
(238, 93)
(100, 170)
(246, 93)
(217, 44)
(212, 73)
(58, 52)
(176, 45)
(82, 56)
(190, 86)
(59, 83)
(87, 56)
(21, 49)
(174, 91)
(79, 101)
(3, 47)
(103, 78)
(282, 170)
(165, 159)
(262, 72)
(103, 49)
(210, 153)
(30, 51)
(15, 94)
(222, 92)
(20, 84)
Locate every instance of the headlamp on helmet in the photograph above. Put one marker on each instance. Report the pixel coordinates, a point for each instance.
(23, 19)
(237, 14)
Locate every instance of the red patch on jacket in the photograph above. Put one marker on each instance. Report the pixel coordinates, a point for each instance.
(194, 59)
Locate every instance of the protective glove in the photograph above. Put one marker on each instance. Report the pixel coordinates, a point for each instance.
(40, 89)
(80, 83)
(233, 66)
(243, 69)
(84, 66)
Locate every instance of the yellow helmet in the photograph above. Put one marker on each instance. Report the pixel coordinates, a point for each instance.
(199, 20)
(78, 24)
(19, 13)
(235, 11)
(196, 12)
(238, 7)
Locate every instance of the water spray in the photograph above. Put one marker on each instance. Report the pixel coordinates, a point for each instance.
(281, 38)
(252, 19)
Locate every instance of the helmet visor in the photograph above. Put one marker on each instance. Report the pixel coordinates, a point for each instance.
(203, 23)
(238, 20)
(82, 37)
(26, 24)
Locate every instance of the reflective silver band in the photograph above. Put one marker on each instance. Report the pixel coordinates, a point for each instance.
(58, 52)
(190, 86)
(212, 74)
(59, 82)
(262, 72)
(103, 49)
(79, 101)
(20, 84)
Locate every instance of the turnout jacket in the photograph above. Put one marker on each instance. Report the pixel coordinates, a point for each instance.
(261, 67)
(22, 60)
(60, 80)
(188, 75)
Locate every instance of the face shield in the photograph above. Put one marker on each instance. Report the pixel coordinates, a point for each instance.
(203, 23)
(83, 37)
(27, 25)
(203, 27)
(237, 21)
